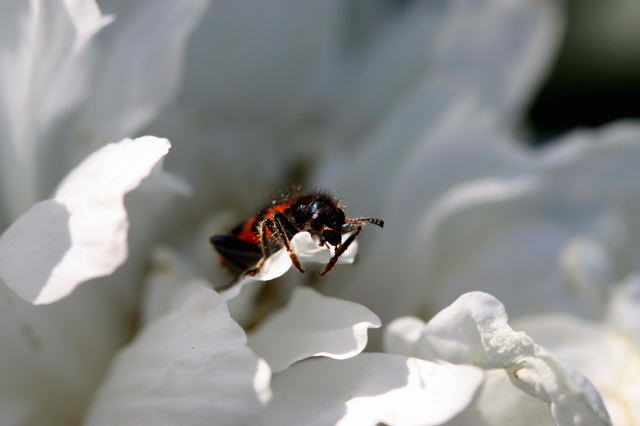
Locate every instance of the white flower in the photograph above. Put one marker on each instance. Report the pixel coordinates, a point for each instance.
(385, 112)
(559, 229)
(81, 232)
(473, 330)
(190, 365)
(208, 371)
(556, 243)
(454, 126)
(608, 353)
(73, 80)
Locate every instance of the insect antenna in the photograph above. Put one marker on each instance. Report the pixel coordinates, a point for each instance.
(374, 220)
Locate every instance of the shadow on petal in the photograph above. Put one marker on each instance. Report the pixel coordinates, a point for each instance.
(369, 389)
(32, 247)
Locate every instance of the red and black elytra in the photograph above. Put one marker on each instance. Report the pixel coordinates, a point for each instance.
(252, 242)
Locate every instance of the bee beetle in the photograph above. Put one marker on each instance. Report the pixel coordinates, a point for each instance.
(252, 242)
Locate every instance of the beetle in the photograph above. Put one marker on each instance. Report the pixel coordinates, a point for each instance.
(250, 243)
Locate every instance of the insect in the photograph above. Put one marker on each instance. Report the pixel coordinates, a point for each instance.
(252, 242)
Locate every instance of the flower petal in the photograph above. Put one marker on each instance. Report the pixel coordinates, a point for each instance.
(608, 358)
(39, 372)
(142, 68)
(474, 330)
(433, 51)
(313, 325)
(460, 144)
(307, 249)
(40, 54)
(498, 403)
(476, 226)
(86, 18)
(188, 366)
(624, 308)
(588, 269)
(167, 274)
(371, 389)
(521, 246)
(14, 411)
(81, 233)
(261, 67)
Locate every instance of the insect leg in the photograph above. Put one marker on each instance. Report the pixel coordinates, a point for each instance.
(264, 247)
(289, 228)
(341, 248)
(283, 226)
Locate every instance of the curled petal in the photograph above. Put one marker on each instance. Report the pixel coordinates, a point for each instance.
(190, 366)
(306, 248)
(609, 358)
(81, 233)
(310, 251)
(474, 330)
(370, 389)
(313, 325)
